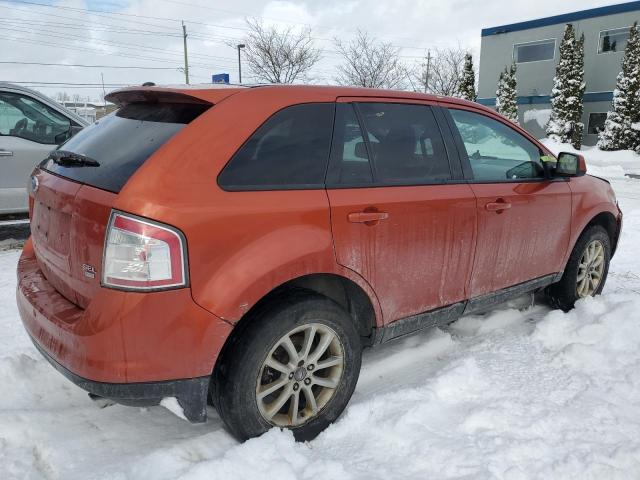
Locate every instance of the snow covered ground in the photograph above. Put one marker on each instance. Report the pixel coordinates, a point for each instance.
(516, 394)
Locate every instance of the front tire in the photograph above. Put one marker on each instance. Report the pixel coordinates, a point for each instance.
(294, 366)
(586, 271)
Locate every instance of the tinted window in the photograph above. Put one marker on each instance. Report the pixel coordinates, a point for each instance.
(290, 150)
(496, 152)
(405, 143)
(123, 140)
(24, 117)
(534, 51)
(613, 40)
(349, 153)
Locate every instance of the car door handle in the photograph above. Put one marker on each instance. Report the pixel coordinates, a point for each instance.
(497, 206)
(369, 218)
(6, 153)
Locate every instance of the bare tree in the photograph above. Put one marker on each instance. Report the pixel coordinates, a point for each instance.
(62, 97)
(369, 63)
(441, 71)
(279, 56)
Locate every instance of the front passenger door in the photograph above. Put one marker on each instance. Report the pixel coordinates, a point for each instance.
(524, 219)
(29, 130)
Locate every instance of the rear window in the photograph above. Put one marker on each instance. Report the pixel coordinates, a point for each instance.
(122, 141)
(289, 151)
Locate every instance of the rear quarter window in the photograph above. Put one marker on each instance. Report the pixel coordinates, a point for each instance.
(122, 141)
(289, 151)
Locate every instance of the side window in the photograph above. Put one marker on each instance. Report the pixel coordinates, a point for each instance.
(495, 151)
(24, 117)
(405, 143)
(349, 159)
(290, 150)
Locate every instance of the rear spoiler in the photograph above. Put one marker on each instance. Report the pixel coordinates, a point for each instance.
(151, 95)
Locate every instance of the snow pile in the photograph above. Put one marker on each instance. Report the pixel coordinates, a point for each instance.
(541, 117)
(515, 394)
(171, 404)
(601, 163)
(514, 399)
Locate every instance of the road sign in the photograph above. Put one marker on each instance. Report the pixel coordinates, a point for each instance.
(220, 78)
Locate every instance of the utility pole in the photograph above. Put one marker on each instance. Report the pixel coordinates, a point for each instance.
(186, 58)
(426, 80)
(104, 93)
(240, 46)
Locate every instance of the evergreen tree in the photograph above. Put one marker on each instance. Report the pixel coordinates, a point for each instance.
(622, 127)
(467, 88)
(506, 95)
(567, 94)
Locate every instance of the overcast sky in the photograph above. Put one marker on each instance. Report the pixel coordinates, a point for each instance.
(147, 33)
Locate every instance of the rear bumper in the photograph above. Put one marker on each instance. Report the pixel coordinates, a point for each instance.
(191, 393)
(127, 346)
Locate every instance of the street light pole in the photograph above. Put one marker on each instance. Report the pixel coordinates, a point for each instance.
(240, 46)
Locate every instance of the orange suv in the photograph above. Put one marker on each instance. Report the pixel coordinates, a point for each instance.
(242, 245)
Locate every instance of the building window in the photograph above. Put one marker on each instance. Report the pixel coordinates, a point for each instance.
(596, 123)
(534, 51)
(613, 40)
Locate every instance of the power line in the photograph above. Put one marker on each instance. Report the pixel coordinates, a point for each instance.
(94, 28)
(130, 46)
(86, 66)
(165, 19)
(194, 34)
(280, 20)
(71, 84)
(100, 52)
(66, 17)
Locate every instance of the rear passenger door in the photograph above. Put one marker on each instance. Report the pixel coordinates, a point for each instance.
(523, 217)
(400, 217)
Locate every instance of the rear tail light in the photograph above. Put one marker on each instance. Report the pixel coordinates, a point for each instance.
(144, 255)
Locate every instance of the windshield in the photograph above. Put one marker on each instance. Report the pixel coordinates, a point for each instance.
(122, 141)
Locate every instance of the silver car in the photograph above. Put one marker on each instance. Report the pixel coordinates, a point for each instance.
(31, 125)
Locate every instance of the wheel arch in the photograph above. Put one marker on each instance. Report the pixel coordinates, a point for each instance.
(345, 292)
(608, 221)
(604, 218)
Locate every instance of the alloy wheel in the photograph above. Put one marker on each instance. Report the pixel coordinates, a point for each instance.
(300, 375)
(590, 269)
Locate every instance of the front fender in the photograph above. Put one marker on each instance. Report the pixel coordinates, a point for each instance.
(591, 197)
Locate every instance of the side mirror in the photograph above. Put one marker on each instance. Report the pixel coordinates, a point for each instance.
(74, 129)
(570, 165)
(64, 136)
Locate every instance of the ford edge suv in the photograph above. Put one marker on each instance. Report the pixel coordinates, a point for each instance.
(242, 245)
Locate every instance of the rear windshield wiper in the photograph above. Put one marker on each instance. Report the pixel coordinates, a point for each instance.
(70, 159)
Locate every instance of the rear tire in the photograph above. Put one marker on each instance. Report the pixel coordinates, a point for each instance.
(294, 366)
(586, 271)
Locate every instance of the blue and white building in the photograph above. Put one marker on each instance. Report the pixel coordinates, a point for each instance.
(534, 46)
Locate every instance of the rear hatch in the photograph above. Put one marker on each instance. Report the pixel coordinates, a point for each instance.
(78, 184)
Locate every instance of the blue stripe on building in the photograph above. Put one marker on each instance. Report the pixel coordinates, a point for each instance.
(564, 18)
(542, 99)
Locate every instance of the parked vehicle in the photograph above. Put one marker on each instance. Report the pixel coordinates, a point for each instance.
(31, 125)
(247, 243)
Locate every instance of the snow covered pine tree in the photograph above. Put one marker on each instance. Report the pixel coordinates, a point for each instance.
(506, 95)
(567, 94)
(622, 127)
(467, 88)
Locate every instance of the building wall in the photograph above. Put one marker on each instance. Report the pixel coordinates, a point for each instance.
(535, 79)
